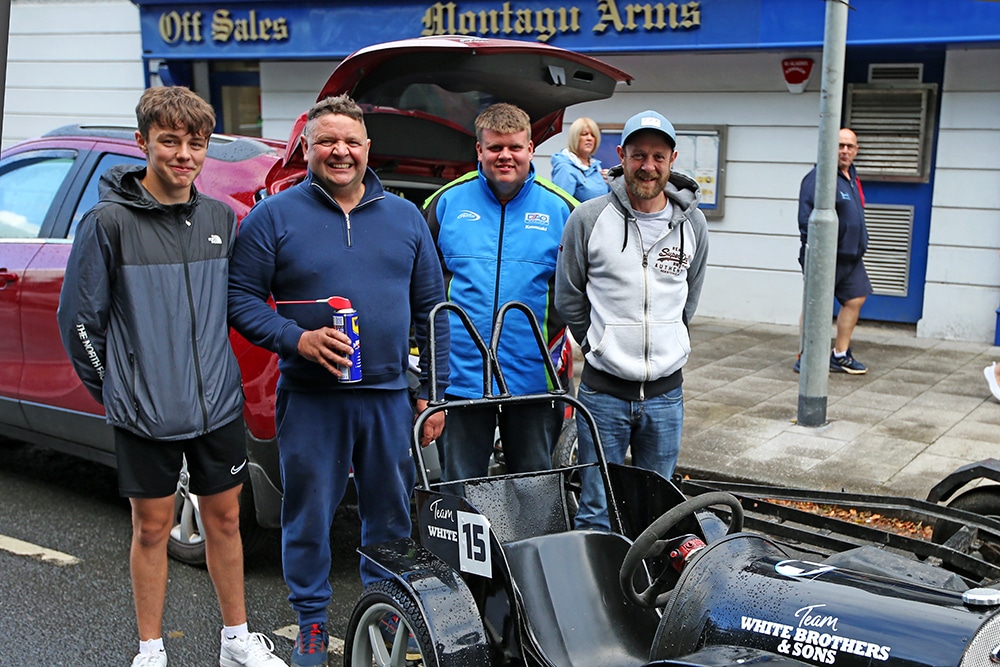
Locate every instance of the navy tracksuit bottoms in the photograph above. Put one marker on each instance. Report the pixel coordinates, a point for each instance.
(321, 436)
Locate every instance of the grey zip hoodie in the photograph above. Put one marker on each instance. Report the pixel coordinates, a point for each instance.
(142, 311)
(627, 308)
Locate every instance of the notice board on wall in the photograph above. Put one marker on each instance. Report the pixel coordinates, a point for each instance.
(701, 155)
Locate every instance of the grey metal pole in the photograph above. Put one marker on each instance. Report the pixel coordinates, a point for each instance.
(821, 250)
(4, 39)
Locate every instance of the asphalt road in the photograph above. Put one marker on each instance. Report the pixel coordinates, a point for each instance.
(81, 614)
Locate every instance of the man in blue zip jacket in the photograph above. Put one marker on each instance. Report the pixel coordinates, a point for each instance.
(338, 233)
(497, 231)
(851, 286)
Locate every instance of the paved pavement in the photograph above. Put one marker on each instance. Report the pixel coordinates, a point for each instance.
(922, 410)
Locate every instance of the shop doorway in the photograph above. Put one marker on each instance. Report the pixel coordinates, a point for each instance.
(235, 91)
(892, 102)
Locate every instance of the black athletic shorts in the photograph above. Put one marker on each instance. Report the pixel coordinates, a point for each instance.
(852, 281)
(217, 461)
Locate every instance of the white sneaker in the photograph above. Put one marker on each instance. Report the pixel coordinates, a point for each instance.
(254, 650)
(991, 379)
(158, 659)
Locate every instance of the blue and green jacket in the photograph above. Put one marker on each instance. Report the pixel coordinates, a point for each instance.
(493, 253)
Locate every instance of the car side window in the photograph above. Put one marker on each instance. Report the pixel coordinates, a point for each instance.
(28, 188)
(91, 194)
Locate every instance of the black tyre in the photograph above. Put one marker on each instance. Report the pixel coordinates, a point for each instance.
(567, 447)
(187, 536)
(984, 500)
(565, 455)
(365, 645)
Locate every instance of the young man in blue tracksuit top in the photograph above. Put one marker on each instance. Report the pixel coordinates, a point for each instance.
(497, 230)
(338, 233)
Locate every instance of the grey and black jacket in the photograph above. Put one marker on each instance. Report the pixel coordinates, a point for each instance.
(629, 308)
(142, 311)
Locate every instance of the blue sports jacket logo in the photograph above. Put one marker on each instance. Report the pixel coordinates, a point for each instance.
(536, 221)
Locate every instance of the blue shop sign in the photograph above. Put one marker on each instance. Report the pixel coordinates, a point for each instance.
(311, 29)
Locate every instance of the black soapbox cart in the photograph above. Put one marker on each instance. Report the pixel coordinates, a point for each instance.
(693, 574)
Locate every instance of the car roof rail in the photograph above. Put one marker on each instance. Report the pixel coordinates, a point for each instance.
(224, 147)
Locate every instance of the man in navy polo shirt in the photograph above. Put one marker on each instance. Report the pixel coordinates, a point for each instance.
(852, 285)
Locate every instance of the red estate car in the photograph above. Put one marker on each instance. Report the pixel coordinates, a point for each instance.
(421, 97)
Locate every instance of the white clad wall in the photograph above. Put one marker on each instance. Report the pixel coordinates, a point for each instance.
(71, 62)
(963, 270)
(772, 142)
(287, 89)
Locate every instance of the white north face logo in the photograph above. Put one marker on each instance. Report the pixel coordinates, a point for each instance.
(215, 239)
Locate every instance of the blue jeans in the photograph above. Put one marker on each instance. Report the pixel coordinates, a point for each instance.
(652, 427)
(526, 431)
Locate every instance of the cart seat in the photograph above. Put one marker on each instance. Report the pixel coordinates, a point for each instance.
(521, 506)
(574, 609)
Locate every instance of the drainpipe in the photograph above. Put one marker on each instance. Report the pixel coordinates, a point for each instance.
(4, 40)
(821, 249)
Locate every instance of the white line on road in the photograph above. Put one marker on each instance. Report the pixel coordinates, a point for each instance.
(22, 548)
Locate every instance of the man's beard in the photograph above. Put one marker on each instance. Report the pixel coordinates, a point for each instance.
(644, 189)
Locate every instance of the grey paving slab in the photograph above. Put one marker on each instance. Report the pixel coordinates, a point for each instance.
(967, 429)
(957, 404)
(739, 392)
(838, 429)
(774, 410)
(801, 443)
(696, 384)
(917, 478)
(916, 424)
(700, 414)
(867, 397)
(896, 386)
(987, 412)
(922, 411)
(858, 414)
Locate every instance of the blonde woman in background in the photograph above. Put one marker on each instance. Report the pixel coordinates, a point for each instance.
(574, 168)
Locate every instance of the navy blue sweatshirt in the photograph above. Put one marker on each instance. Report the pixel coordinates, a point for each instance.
(299, 245)
(852, 235)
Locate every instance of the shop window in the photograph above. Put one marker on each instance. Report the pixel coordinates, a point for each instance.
(236, 96)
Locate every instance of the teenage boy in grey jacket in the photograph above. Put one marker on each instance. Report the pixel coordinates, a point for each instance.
(628, 279)
(143, 318)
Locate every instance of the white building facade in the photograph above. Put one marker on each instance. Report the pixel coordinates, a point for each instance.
(928, 77)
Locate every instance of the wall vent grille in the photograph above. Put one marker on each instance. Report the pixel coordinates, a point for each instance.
(890, 232)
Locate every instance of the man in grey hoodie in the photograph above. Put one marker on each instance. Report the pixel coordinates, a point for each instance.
(628, 278)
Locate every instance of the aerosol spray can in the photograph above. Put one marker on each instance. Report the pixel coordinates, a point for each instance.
(345, 319)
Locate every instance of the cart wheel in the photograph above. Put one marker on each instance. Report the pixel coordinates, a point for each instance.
(984, 500)
(564, 456)
(368, 646)
(566, 449)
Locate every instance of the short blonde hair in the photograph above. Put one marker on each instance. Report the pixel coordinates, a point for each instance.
(576, 131)
(503, 118)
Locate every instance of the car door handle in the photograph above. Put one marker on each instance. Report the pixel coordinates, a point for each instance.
(7, 277)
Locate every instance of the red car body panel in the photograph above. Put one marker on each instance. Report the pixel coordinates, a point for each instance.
(34, 368)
